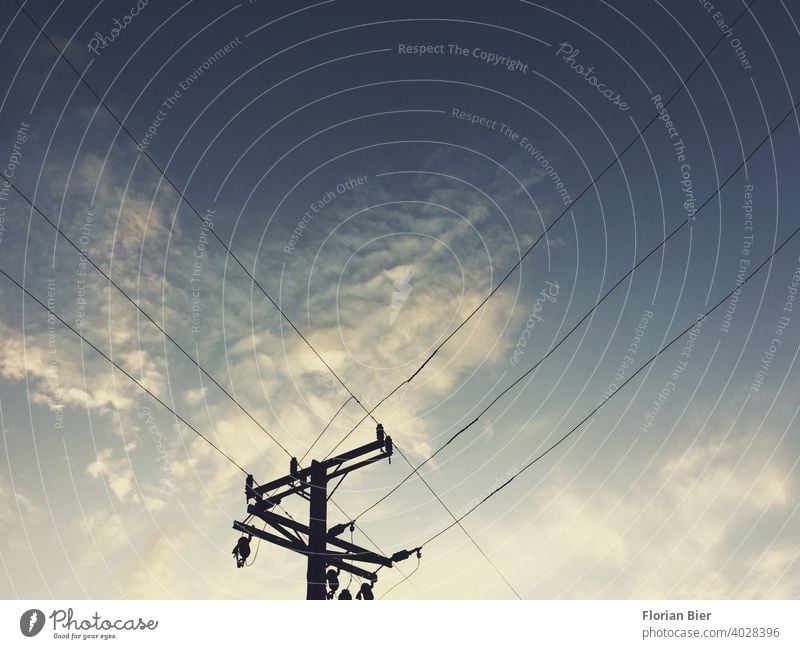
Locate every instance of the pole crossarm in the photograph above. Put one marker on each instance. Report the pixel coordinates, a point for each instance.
(298, 480)
(296, 546)
(356, 553)
(337, 559)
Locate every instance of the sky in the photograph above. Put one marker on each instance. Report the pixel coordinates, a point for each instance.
(377, 169)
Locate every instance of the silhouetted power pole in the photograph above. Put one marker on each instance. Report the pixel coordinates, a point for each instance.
(313, 539)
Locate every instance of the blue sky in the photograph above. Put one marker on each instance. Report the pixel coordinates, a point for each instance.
(270, 116)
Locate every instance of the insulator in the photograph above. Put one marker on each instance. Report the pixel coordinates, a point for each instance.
(248, 485)
(345, 594)
(333, 580)
(380, 432)
(243, 547)
(293, 466)
(401, 555)
(365, 592)
(241, 551)
(389, 446)
(336, 530)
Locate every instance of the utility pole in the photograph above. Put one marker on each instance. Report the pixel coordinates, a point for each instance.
(312, 540)
(318, 530)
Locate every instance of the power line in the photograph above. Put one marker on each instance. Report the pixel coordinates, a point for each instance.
(236, 259)
(85, 256)
(169, 338)
(166, 335)
(367, 536)
(518, 263)
(458, 522)
(191, 207)
(123, 370)
(622, 385)
(258, 545)
(227, 249)
(162, 403)
(322, 432)
(241, 265)
(415, 470)
(149, 318)
(289, 321)
(583, 319)
(405, 578)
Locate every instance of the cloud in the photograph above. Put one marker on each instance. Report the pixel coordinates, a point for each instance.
(704, 524)
(59, 376)
(15, 504)
(378, 294)
(117, 473)
(195, 396)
